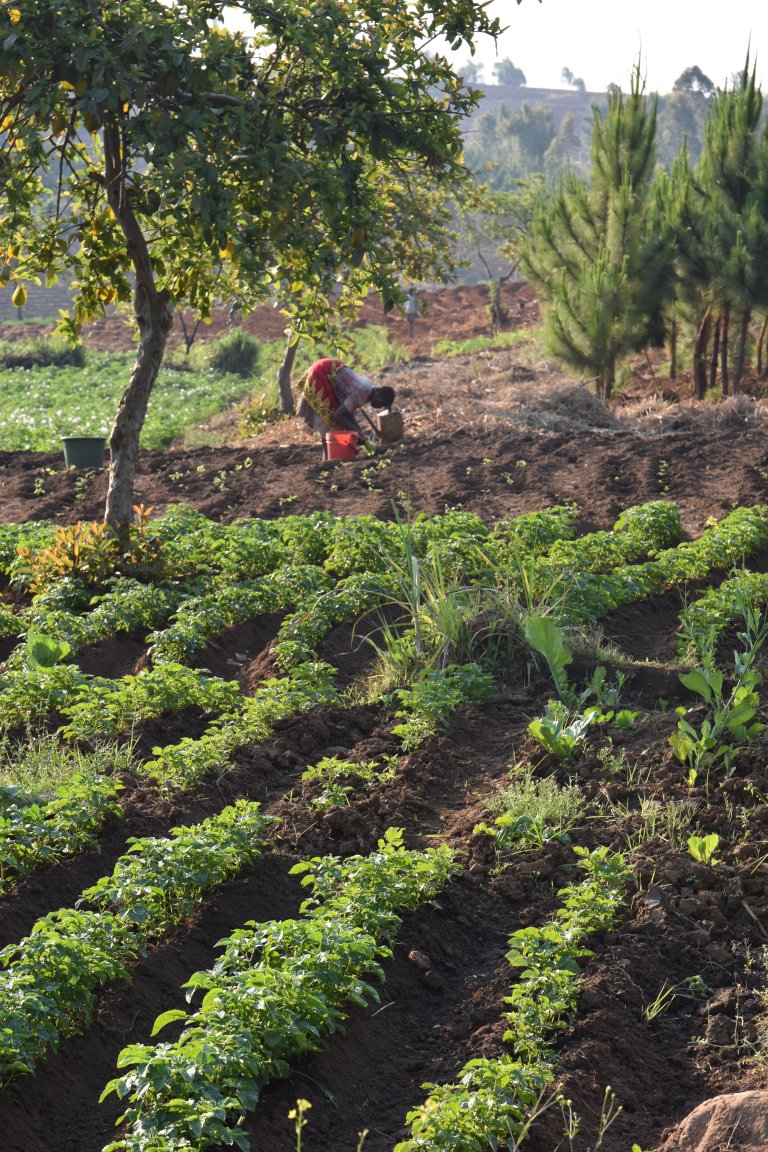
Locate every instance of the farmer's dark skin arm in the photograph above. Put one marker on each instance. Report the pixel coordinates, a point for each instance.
(343, 417)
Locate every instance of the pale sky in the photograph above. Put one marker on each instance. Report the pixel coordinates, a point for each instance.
(600, 40)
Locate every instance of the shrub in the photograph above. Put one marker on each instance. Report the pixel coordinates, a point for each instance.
(42, 352)
(236, 353)
(93, 553)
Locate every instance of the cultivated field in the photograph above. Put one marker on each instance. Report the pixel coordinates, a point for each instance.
(623, 813)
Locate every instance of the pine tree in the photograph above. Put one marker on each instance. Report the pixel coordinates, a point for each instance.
(725, 241)
(602, 270)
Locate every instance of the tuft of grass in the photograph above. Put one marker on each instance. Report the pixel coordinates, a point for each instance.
(39, 764)
(479, 343)
(529, 812)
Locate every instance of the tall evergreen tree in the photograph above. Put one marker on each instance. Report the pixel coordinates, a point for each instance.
(602, 270)
(727, 219)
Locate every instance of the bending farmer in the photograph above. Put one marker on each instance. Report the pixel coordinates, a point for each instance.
(330, 394)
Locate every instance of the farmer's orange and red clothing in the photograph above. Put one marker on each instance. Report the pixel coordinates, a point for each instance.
(316, 386)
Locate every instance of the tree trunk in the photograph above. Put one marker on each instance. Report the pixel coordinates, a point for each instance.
(725, 372)
(740, 351)
(284, 375)
(760, 347)
(605, 381)
(154, 316)
(715, 357)
(699, 357)
(673, 351)
(189, 334)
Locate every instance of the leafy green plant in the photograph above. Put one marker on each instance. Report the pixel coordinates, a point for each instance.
(237, 353)
(339, 779)
(93, 552)
(275, 992)
(732, 718)
(429, 702)
(703, 848)
(45, 651)
(561, 731)
(545, 637)
(531, 812)
(35, 832)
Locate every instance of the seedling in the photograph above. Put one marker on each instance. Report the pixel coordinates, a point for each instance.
(545, 637)
(703, 848)
(660, 1004)
(561, 731)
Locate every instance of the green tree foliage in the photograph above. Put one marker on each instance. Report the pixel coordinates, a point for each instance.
(694, 80)
(591, 250)
(723, 233)
(508, 73)
(505, 147)
(190, 164)
(572, 81)
(681, 120)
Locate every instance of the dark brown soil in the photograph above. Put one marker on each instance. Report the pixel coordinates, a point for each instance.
(698, 929)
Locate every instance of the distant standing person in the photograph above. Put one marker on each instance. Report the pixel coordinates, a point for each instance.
(330, 394)
(411, 309)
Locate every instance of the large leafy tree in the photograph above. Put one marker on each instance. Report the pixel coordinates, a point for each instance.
(189, 164)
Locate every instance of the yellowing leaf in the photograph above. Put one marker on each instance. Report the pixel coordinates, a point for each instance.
(15, 15)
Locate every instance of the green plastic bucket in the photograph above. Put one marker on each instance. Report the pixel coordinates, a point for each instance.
(84, 451)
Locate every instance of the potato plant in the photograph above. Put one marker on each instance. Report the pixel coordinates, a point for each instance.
(492, 1101)
(49, 980)
(275, 993)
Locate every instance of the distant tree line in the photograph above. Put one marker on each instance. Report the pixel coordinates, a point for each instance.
(506, 144)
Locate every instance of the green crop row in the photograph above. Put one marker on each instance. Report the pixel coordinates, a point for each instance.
(202, 617)
(489, 1105)
(49, 979)
(723, 545)
(426, 706)
(95, 706)
(33, 833)
(714, 612)
(639, 532)
(182, 765)
(103, 707)
(127, 605)
(277, 990)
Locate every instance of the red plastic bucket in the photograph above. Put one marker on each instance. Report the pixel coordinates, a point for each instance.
(341, 445)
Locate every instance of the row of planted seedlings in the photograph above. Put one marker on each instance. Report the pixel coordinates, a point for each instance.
(36, 680)
(420, 706)
(280, 989)
(493, 1102)
(85, 949)
(493, 1099)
